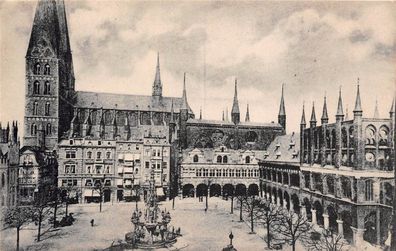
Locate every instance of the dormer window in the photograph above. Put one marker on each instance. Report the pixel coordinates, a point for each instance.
(222, 149)
(278, 154)
(295, 154)
(247, 160)
(292, 144)
(219, 159)
(195, 158)
(225, 159)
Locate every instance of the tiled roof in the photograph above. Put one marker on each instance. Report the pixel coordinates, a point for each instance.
(285, 148)
(127, 102)
(254, 124)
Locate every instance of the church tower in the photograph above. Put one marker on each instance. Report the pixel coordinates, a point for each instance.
(49, 76)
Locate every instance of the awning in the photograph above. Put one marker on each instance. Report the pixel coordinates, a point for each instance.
(160, 191)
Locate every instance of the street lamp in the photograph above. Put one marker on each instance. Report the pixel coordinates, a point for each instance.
(231, 236)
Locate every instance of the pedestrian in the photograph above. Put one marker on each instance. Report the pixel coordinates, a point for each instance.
(92, 222)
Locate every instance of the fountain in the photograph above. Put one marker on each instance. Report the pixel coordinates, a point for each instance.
(152, 230)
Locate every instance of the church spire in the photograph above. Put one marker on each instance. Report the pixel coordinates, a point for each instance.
(376, 112)
(325, 117)
(223, 119)
(235, 114)
(247, 117)
(184, 97)
(157, 85)
(282, 111)
(200, 113)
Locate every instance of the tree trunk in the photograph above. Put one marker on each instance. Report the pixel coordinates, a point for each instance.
(206, 200)
(232, 204)
(251, 221)
(39, 226)
(55, 211)
(100, 203)
(293, 245)
(17, 239)
(240, 211)
(173, 202)
(268, 234)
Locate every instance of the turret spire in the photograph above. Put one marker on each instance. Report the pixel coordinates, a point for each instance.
(223, 116)
(340, 110)
(325, 117)
(313, 116)
(392, 110)
(303, 116)
(172, 119)
(358, 103)
(200, 113)
(157, 85)
(247, 117)
(376, 112)
(235, 114)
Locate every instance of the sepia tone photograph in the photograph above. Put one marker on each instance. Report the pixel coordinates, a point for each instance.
(197, 125)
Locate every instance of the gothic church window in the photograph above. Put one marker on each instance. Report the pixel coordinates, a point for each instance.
(33, 129)
(35, 108)
(225, 159)
(370, 135)
(37, 69)
(383, 136)
(47, 109)
(48, 129)
(47, 70)
(346, 187)
(344, 137)
(36, 87)
(47, 89)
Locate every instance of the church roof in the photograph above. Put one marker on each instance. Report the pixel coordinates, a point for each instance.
(229, 123)
(98, 100)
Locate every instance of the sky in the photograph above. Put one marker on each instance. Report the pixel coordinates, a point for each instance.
(311, 47)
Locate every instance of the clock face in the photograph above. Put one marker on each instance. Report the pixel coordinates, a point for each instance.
(370, 157)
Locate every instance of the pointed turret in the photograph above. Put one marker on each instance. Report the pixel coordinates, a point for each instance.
(172, 116)
(303, 116)
(235, 114)
(325, 117)
(340, 111)
(222, 118)
(358, 104)
(282, 111)
(157, 85)
(247, 117)
(392, 110)
(226, 115)
(200, 113)
(313, 116)
(376, 112)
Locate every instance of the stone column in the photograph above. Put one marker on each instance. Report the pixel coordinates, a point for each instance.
(340, 228)
(357, 236)
(278, 202)
(314, 221)
(284, 204)
(326, 221)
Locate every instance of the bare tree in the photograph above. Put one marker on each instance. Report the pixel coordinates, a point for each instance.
(17, 217)
(324, 239)
(41, 209)
(240, 199)
(251, 206)
(269, 215)
(292, 226)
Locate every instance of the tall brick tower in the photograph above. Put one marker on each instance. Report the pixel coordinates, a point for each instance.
(49, 75)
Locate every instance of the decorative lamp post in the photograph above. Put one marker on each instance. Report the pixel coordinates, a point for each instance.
(231, 236)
